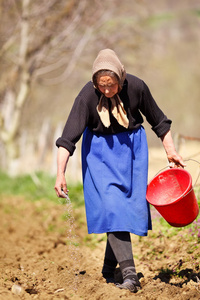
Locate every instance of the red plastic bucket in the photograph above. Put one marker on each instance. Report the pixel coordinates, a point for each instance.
(172, 194)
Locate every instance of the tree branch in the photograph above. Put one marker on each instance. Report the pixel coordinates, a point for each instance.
(76, 55)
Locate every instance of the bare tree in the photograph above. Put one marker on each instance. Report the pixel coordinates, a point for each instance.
(38, 39)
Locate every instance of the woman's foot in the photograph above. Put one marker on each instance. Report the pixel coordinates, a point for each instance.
(128, 284)
(110, 280)
(109, 277)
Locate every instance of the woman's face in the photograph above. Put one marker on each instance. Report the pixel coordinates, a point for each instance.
(107, 85)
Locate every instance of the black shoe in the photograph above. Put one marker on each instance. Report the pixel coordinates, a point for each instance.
(109, 277)
(129, 285)
(110, 280)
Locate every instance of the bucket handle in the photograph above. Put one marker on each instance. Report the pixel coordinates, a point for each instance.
(185, 160)
(195, 180)
(199, 169)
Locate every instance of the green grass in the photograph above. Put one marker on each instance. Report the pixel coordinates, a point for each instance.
(37, 186)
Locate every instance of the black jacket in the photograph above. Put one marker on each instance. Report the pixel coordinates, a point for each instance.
(137, 100)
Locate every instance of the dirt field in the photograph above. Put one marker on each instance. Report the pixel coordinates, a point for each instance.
(45, 253)
(37, 263)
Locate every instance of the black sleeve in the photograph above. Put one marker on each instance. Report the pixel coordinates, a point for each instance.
(154, 115)
(75, 125)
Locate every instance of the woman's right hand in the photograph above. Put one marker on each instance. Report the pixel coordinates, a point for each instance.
(61, 186)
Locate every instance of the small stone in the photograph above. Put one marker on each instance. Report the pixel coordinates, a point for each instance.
(17, 289)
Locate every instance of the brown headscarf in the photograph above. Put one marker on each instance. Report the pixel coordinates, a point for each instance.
(108, 60)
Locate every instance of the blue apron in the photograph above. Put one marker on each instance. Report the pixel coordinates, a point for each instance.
(115, 168)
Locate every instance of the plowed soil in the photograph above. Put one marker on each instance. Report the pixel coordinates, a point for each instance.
(45, 253)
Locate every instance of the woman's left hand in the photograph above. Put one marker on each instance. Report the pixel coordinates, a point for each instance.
(175, 160)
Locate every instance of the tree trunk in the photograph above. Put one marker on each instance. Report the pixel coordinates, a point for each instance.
(14, 101)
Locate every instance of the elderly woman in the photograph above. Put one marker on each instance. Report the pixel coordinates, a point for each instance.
(108, 112)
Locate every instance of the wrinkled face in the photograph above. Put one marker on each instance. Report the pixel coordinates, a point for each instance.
(107, 85)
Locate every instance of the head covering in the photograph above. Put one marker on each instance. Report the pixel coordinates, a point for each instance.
(108, 60)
